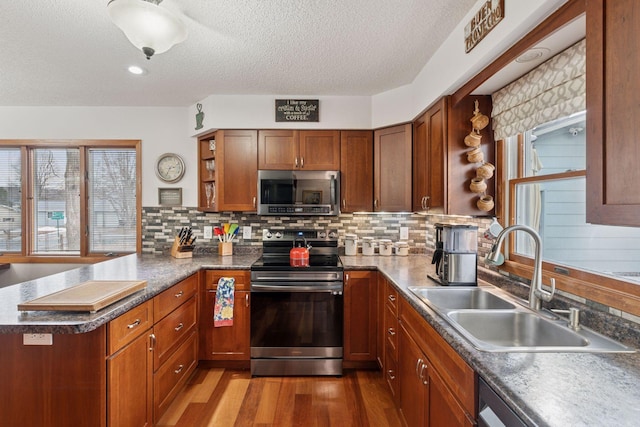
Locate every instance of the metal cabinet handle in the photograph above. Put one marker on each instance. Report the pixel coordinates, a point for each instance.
(346, 277)
(392, 298)
(391, 374)
(344, 203)
(152, 342)
(254, 201)
(424, 380)
(246, 300)
(134, 324)
(418, 363)
(426, 202)
(301, 161)
(180, 326)
(180, 368)
(375, 203)
(296, 162)
(391, 331)
(179, 294)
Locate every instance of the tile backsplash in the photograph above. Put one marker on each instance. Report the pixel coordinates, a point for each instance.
(160, 225)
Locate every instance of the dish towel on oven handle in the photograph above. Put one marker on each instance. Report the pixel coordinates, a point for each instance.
(223, 307)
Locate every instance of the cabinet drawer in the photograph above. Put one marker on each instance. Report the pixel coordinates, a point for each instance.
(391, 333)
(124, 329)
(168, 300)
(171, 330)
(243, 278)
(168, 380)
(391, 376)
(391, 298)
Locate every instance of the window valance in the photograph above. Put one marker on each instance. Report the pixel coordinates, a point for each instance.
(554, 89)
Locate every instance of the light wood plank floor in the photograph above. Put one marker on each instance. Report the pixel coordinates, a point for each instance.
(223, 397)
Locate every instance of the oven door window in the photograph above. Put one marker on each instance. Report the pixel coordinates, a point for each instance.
(296, 319)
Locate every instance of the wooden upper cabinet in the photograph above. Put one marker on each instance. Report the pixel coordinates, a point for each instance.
(613, 148)
(305, 149)
(356, 171)
(237, 170)
(429, 142)
(392, 169)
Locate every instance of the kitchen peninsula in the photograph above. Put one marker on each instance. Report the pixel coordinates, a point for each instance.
(546, 389)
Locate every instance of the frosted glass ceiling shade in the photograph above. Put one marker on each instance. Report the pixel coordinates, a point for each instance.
(148, 26)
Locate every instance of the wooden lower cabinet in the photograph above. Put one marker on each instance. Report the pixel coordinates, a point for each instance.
(227, 342)
(130, 384)
(437, 387)
(360, 298)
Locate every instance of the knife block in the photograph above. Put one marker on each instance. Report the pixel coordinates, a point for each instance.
(175, 250)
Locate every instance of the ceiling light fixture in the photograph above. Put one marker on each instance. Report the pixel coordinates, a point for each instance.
(138, 71)
(148, 26)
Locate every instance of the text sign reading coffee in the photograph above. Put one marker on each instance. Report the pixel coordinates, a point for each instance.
(297, 110)
(482, 23)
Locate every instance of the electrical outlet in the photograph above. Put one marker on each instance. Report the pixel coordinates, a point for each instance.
(404, 233)
(208, 231)
(37, 339)
(246, 232)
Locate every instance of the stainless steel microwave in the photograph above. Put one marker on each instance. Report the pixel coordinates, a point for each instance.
(296, 192)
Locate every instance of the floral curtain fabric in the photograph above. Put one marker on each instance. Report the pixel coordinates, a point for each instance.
(554, 89)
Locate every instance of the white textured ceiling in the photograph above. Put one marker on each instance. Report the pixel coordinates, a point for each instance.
(68, 52)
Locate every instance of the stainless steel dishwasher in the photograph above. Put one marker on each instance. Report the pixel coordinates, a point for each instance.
(493, 411)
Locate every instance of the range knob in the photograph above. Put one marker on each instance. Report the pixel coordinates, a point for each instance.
(322, 235)
(278, 235)
(333, 234)
(268, 234)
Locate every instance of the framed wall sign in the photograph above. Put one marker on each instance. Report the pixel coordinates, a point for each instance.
(485, 19)
(297, 110)
(170, 196)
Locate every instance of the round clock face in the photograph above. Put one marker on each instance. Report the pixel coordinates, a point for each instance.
(170, 167)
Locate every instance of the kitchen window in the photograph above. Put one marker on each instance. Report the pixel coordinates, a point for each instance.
(69, 199)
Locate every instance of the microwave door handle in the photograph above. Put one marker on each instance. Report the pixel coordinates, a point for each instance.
(333, 191)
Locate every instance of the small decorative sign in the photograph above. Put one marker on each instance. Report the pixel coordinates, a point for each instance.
(489, 15)
(297, 110)
(170, 196)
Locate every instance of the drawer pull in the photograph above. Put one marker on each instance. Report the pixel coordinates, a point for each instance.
(180, 368)
(180, 326)
(391, 331)
(392, 298)
(134, 324)
(179, 294)
(152, 342)
(425, 381)
(418, 364)
(391, 374)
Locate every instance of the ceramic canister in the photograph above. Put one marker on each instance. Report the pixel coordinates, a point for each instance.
(367, 245)
(402, 248)
(350, 244)
(386, 247)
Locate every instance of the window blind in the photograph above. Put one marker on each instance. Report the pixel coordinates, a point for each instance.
(10, 200)
(554, 89)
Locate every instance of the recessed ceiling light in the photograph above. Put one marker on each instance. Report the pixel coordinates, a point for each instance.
(532, 54)
(139, 71)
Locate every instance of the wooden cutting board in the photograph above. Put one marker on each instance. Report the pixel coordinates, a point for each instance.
(90, 296)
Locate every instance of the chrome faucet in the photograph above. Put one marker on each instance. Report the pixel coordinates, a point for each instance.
(536, 293)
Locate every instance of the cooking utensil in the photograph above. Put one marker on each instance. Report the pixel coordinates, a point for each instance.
(299, 255)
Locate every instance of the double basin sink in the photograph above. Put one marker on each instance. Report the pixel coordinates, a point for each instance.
(494, 322)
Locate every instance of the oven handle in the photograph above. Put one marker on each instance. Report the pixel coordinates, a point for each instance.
(336, 289)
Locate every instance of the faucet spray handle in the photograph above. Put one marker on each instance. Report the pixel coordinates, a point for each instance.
(547, 295)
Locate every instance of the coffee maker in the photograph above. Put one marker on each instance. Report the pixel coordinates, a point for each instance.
(456, 254)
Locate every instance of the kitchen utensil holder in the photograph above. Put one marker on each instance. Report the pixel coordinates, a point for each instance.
(181, 251)
(225, 248)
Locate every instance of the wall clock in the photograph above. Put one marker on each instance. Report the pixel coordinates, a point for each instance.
(170, 167)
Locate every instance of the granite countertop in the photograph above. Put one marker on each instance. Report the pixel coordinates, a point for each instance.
(544, 389)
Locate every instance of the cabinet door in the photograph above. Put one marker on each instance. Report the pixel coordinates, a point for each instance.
(356, 171)
(237, 163)
(392, 171)
(130, 384)
(319, 150)
(444, 408)
(278, 149)
(227, 342)
(360, 316)
(613, 115)
(429, 141)
(413, 379)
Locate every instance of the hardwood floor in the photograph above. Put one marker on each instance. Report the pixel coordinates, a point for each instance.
(222, 397)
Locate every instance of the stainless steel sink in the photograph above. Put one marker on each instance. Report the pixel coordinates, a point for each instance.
(460, 298)
(494, 322)
(515, 329)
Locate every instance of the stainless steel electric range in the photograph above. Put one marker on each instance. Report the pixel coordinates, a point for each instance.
(297, 312)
